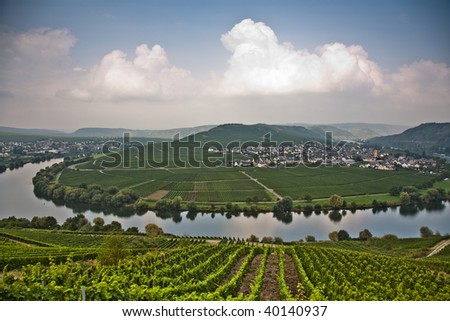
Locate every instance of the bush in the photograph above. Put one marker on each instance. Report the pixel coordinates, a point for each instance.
(390, 237)
(153, 230)
(365, 234)
(425, 231)
(113, 250)
(343, 235)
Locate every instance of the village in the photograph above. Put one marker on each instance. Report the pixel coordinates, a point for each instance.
(348, 154)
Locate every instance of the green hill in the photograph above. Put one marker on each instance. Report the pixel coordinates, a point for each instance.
(239, 132)
(425, 138)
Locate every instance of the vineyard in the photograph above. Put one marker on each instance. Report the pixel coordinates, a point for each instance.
(232, 185)
(180, 269)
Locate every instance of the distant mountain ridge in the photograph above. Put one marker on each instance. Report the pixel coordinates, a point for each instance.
(428, 138)
(289, 132)
(33, 131)
(356, 131)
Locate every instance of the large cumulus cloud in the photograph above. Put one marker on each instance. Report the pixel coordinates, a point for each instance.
(148, 75)
(260, 63)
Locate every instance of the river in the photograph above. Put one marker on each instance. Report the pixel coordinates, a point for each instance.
(17, 199)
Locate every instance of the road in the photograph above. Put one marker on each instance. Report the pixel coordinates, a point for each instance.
(264, 186)
(439, 247)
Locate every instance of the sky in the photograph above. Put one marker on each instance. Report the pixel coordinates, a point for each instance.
(167, 64)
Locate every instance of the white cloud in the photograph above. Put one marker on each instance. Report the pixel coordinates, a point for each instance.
(44, 44)
(423, 82)
(148, 75)
(33, 63)
(261, 64)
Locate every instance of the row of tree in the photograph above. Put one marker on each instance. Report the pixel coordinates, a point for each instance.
(20, 162)
(94, 196)
(74, 223)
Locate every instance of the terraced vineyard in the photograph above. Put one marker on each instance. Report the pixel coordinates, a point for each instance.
(20, 247)
(235, 271)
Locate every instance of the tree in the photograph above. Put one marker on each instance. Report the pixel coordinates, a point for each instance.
(253, 239)
(141, 206)
(389, 237)
(153, 230)
(343, 235)
(433, 196)
(333, 236)
(267, 239)
(425, 231)
(405, 199)
(114, 226)
(132, 229)
(112, 251)
(395, 190)
(310, 238)
(307, 198)
(45, 222)
(278, 240)
(283, 206)
(336, 201)
(75, 223)
(365, 234)
(192, 206)
(98, 223)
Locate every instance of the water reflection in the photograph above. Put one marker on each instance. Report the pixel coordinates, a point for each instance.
(335, 216)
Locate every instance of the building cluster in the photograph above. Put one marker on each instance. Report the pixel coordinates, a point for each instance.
(344, 155)
(49, 147)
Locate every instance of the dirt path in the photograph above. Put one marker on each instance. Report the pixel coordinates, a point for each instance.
(291, 275)
(251, 275)
(235, 269)
(264, 186)
(439, 247)
(270, 290)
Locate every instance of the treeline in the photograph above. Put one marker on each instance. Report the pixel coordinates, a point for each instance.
(410, 196)
(93, 196)
(75, 223)
(20, 162)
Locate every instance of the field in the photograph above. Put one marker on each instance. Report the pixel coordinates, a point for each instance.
(173, 269)
(223, 184)
(324, 181)
(192, 184)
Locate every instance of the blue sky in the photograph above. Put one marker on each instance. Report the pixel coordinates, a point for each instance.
(402, 47)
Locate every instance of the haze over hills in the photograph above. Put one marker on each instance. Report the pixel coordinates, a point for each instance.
(428, 138)
(118, 132)
(347, 131)
(107, 132)
(356, 131)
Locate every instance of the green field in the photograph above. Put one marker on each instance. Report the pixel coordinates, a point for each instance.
(202, 184)
(223, 184)
(324, 181)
